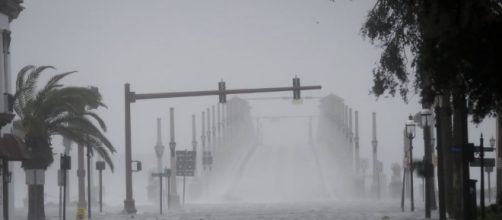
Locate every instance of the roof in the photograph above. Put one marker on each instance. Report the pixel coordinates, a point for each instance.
(13, 148)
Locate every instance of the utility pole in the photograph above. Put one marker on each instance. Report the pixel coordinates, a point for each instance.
(129, 204)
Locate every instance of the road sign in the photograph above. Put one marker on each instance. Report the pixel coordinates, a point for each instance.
(485, 149)
(185, 163)
(488, 162)
(489, 169)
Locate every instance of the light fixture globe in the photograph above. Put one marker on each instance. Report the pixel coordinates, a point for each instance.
(410, 127)
(159, 150)
(426, 116)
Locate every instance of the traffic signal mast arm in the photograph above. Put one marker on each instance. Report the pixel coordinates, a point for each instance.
(133, 96)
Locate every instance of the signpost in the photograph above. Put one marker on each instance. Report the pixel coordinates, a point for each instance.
(489, 170)
(100, 166)
(488, 162)
(185, 166)
(65, 165)
(481, 162)
(166, 173)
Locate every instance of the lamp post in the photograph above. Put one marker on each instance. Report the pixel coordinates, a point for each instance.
(159, 152)
(410, 132)
(426, 116)
(159, 147)
(489, 170)
(376, 173)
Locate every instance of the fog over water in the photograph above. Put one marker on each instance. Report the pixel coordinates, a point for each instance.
(179, 45)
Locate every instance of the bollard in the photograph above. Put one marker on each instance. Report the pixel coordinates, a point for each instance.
(81, 213)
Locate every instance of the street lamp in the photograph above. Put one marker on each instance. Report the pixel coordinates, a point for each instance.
(426, 116)
(159, 151)
(410, 133)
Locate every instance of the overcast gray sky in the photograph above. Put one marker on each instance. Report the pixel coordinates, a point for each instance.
(161, 46)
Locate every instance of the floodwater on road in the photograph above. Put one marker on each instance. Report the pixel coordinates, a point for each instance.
(347, 210)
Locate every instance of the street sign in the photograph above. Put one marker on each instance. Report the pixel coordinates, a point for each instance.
(455, 149)
(485, 149)
(488, 162)
(489, 169)
(185, 163)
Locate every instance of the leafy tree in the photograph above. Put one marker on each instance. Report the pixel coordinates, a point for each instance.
(450, 48)
(55, 109)
(439, 47)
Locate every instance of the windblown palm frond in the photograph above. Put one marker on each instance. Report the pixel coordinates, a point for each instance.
(59, 110)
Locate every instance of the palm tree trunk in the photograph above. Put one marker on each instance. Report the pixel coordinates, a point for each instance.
(36, 210)
(81, 178)
(41, 154)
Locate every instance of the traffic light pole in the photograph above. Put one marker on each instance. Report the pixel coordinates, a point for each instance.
(131, 97)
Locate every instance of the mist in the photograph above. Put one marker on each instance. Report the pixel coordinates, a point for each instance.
(275, 151)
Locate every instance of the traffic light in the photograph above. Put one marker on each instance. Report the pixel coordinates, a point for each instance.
(296, 88)
(222, 95)
(139, 166)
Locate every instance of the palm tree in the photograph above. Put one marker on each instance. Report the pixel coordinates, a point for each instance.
(52, 110)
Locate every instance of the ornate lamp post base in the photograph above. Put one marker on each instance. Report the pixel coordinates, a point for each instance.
(129, 206)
